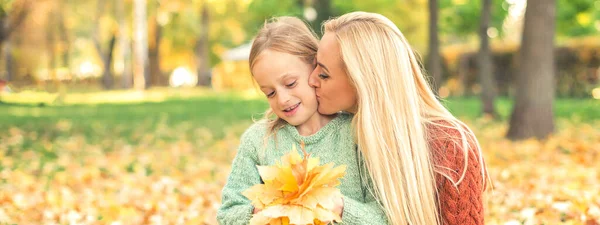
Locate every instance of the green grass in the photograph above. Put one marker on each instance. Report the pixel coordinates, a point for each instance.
(213, 111)
(575, 110)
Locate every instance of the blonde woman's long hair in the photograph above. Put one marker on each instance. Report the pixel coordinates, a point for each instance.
(396, 107)
(287, 35)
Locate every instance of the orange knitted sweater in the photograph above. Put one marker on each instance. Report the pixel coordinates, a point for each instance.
(462, 204)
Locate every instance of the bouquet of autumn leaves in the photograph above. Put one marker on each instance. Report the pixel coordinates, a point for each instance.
(297, 190)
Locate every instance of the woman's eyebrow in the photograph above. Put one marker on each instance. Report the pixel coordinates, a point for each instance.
(323, 66)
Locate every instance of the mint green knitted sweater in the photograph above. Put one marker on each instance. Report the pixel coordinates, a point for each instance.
(333, 143)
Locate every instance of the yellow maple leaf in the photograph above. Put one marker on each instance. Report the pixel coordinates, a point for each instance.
(297, 190)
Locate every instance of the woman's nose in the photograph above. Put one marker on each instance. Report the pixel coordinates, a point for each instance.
(313, 80)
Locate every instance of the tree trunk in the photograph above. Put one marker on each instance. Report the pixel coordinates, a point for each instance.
(8, 60)
(434, 63)
(463, 74)
(532, 114)
(202, 56)
(63, 34)
(105, 55)
(125, 45)
(107, 77)
(10, 21)
(300, 4)
(154, 56)
(324, 12)
(50, 45)
(140, 45)
(486, 67)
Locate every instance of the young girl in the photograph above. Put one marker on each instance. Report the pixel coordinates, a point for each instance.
(281, 60)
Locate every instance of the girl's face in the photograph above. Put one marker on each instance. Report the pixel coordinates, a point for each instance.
(283, 78)
(334, 89)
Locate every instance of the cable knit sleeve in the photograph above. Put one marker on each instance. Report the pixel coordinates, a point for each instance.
(460, 204)
(369, 212)
(236, 209)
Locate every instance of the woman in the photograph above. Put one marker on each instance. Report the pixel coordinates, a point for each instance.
(426, 165)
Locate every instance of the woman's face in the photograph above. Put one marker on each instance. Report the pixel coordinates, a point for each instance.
(332, 85)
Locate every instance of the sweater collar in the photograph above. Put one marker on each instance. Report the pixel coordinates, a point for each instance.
(330, 127)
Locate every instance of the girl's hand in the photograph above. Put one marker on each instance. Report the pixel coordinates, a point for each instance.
(256, 210)
(338, 208)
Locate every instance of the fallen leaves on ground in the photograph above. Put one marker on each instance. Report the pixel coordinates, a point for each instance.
(174, 175)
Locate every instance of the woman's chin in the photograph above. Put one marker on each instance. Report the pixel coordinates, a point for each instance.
(326, 111)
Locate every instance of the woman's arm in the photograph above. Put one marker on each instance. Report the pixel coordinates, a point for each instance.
(461, 204)
(236, 209)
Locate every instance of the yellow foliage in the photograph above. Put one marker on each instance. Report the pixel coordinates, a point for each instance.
(233, 75)
(296, 191)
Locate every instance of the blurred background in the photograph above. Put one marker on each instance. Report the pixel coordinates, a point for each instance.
(130, 111)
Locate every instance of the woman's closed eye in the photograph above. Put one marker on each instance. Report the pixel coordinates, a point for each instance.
(323, 76)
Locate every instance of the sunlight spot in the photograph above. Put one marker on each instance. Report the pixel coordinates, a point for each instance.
(596, 93)
(163, 18)
(310, 14)
(561, 206)
(513, 222)
(492, 32)
(88, 69)
(459, 2)
(583, 18)
(182, 77)
(444, 92)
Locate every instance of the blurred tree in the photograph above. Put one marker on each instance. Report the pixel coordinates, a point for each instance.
(434, 61)
(124, 43)
(261, 10)
(457, 18)
(12, 14)
(411, 16)
(486, 67)
(532, 114)
(202, 47)
(64, 39)
(8, 60)
(51, 43)
(157, 19)
(140, 44)
(578, 17)
(324, 9)
(105, 53)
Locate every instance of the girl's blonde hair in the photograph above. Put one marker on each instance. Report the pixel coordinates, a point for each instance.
(287, 35)
(396, 108)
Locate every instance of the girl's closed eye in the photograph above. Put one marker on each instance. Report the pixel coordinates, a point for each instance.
(292, 84)
(270, 94)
